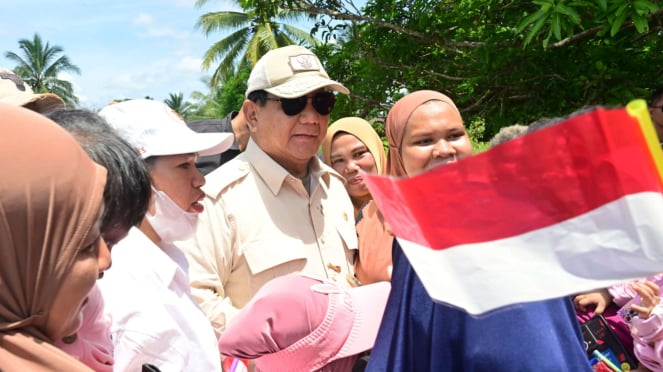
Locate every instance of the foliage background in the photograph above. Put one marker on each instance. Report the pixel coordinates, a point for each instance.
(502, 61)
(498, 68)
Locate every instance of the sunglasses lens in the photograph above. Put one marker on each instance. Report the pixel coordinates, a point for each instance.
(324, 102)
(293, 106)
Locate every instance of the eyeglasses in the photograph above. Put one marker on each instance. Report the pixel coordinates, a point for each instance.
(657, 107)
(323, 103)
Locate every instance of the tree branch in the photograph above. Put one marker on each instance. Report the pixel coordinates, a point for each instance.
(426, 38)
(594, 30)
(429, 72)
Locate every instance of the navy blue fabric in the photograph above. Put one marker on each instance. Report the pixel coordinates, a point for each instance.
(418, 334)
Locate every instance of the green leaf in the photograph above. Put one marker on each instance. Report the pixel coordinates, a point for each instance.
(643, 7)
(556, 27)
(603, 4)
(532, 18)
(640, 22)
(617, 24)
(621, 10)
(569, 12)
(535, 29)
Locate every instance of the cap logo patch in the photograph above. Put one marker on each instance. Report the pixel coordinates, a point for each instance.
(15, 79)
(304, 62)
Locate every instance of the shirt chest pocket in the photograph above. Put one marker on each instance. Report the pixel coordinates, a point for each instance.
(263, 255)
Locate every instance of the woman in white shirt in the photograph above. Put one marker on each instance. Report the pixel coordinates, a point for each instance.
(154, 319)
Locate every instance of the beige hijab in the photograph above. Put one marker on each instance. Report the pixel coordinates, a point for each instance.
(397, 120)
(50, 198)
(361, 129)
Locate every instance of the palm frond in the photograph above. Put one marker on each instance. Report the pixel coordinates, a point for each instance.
(220, 21)
(300, 35)
(219, 49)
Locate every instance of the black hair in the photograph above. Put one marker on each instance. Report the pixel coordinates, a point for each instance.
(259, 96)
(546, 122)
(657, 95)
(149, 162)
(128, 187)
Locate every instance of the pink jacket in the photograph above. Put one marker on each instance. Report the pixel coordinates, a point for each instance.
(647, 333)
(92, 345)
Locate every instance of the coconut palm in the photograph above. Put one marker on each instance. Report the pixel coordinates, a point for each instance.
(40, 66)
(258, 29)
(177, 103)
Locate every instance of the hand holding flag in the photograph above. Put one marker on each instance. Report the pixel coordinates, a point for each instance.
(566, 209)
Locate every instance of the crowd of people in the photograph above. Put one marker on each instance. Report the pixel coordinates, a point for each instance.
(133, 241)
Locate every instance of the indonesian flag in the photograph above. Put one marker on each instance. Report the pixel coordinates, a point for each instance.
(569, 208)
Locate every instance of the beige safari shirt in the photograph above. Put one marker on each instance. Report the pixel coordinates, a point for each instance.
(260, 223)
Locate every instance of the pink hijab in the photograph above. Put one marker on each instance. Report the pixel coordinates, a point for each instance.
(50, 198)
(397, 120)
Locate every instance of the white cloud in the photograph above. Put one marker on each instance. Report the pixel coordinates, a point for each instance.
(134, 80)
(125, 49)
(190, 64)
(65, 76)
(157, 29)
(143, 19)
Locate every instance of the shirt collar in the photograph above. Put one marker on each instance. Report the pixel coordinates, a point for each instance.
(275, 175)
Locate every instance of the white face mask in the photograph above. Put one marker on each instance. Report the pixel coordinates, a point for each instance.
(171, 222)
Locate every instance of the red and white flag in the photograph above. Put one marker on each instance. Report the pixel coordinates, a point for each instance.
(569, 208)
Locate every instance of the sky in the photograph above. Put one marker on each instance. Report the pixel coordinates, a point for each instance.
(124, 48)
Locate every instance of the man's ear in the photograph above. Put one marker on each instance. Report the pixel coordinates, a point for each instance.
(250, 111)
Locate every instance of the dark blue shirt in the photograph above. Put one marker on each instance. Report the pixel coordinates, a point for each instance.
(418, 334)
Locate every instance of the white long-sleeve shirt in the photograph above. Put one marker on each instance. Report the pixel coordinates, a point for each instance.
(154, 318)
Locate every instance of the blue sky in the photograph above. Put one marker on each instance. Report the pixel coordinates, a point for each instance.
(125, 49)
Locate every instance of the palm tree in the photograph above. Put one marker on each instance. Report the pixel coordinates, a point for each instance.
(40, 65)
(259, 29)
(177, 103)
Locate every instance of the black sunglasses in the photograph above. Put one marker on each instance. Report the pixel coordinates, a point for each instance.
(323, 103)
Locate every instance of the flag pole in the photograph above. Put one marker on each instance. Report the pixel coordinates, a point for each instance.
(638, 109)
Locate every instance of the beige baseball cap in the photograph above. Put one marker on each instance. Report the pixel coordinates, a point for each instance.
(289, 72)
(14, 91)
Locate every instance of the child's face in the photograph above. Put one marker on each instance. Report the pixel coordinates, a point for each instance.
(434, 136)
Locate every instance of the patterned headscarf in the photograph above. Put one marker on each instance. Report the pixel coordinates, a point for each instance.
(397, 120)
(50, 198)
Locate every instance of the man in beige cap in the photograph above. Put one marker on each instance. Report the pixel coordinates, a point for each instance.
(276, 208)
(14, 91)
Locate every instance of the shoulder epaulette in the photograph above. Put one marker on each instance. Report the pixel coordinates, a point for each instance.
(225, 175)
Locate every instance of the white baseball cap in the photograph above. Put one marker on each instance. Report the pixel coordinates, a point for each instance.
(154, 129)
(290, 72)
